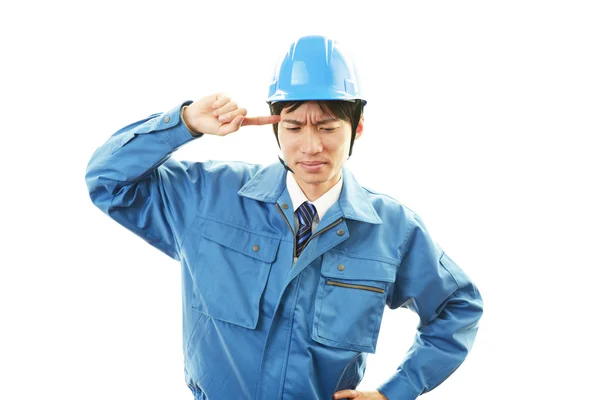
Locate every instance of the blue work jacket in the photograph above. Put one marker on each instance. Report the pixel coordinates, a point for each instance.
(258, 324)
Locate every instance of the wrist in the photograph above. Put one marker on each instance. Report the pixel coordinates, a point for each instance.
(193, 132)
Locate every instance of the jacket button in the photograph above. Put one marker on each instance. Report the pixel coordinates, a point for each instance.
(255, 248)
(341, 267)
(284, 206)
(340, 232)
(167, 119)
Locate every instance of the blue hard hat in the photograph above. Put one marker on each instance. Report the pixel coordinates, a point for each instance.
(315, 68)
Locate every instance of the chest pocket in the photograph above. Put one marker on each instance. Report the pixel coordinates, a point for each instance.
(350, 302)
(231, 272)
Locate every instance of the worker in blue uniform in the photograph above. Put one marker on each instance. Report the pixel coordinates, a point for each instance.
(286, 269)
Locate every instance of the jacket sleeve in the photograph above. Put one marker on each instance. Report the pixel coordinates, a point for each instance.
(133, 180)
(449, 307)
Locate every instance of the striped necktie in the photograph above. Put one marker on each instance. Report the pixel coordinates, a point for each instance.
(306, 212)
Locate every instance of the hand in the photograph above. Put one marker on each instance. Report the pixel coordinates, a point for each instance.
(359, 395)
(218, 115)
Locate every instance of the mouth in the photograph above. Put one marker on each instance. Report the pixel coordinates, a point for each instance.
(312, 166)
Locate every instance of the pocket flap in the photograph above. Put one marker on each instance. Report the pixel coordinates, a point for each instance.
(338, 265)
(250, 244)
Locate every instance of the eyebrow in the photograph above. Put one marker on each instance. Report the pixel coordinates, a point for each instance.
(321, 122)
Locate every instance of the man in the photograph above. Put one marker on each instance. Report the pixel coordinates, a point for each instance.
(286, 269)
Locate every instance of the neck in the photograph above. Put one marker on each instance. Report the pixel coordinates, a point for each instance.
(314, 191)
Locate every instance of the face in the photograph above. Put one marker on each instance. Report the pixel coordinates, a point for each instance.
(315, 146)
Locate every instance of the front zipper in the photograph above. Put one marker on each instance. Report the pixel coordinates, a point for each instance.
(291, 230)
(361, 287)
(310, 238)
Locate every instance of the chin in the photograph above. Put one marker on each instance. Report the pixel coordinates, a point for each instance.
(314, 178)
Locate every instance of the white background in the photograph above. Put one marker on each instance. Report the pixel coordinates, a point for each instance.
(483, 117)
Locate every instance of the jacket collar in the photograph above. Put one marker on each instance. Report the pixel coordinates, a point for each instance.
(268, 184)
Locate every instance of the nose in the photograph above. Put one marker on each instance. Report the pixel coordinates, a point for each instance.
(311, 142)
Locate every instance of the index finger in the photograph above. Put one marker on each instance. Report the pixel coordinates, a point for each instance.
(272, 119)
(346, 394)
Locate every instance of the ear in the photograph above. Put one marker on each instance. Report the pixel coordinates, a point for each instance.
(360, 127)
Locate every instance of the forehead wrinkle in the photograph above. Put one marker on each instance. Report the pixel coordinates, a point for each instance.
(313, 113)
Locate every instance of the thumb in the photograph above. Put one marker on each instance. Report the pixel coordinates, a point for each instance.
(230, 127)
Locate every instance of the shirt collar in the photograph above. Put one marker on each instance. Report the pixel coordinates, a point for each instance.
(268, 184)
(322, 204)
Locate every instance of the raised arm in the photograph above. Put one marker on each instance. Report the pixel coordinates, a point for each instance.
(133, 179)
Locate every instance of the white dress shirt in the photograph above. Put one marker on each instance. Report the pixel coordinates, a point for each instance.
(322, 204)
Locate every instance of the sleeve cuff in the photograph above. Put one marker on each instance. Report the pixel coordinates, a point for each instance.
(179, 133)
(398, 388)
